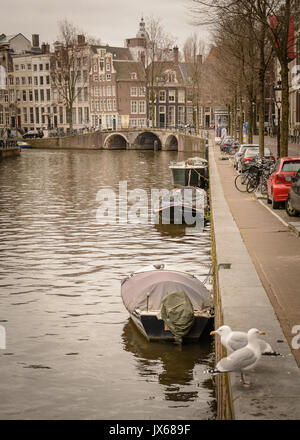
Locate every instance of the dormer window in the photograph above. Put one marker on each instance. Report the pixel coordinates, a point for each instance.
(133, 75)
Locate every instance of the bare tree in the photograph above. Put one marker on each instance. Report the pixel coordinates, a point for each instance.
(194, 50)
(157, 54)
(273, 20)
(70, 66)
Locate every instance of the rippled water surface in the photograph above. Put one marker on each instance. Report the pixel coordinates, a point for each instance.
(71, 350)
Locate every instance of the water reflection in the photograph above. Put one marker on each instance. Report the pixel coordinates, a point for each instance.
(60, 293)
(172, 365)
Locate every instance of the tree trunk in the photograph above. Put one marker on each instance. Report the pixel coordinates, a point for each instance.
(250, 120)
(241, 117)
(70, 117)
(261, 90)
(285, 109)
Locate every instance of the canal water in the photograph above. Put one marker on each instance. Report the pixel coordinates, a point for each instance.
(71, 350)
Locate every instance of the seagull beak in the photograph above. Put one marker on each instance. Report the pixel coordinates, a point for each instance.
(262, 333)
(213, 333)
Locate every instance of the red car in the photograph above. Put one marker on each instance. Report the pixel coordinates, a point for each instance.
(278, 185)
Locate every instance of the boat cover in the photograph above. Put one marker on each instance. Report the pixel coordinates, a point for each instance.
(156, 284)
(178, 313)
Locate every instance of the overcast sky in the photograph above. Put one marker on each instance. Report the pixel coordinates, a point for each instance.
(110, 20)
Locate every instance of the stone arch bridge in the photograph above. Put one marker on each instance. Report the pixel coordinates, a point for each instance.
(127, 139)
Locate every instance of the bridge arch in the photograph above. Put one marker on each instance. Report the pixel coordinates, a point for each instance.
(148, 140)
(116, 141)
(171, 143)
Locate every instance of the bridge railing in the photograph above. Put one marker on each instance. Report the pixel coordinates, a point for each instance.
(8, 143)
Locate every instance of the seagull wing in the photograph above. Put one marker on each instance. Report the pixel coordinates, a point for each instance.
(237, 340)
(265, 347)
(238, 360)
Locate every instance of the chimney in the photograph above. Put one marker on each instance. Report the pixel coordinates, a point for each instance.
(43, 48)
(35, 40)
(175, 54)
(81, 40)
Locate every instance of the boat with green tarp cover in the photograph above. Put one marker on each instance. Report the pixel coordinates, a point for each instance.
(167, 304)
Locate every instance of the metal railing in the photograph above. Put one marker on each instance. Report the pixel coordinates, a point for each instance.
(6, 144)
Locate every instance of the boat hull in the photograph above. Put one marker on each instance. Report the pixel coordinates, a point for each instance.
(190, 177)
(153, 329)
(181, 215)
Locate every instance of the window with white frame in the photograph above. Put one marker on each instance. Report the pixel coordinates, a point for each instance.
(142, 91)
(171, 116)
(162, 96)
(133, 91)
(108, 77)
(181, 96)
(181, 119)
(133, 75)
(108, 90)
(133, 123)
(142, 107)
(133, 107)
(172, 94)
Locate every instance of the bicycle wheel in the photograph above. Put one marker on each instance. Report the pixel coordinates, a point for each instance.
(241, 182)
(252, 183)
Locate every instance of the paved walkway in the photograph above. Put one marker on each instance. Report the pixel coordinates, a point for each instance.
(273, 248)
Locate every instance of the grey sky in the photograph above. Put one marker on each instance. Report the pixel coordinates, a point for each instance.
(110, 20)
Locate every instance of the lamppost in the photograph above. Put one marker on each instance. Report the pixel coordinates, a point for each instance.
(277, 90)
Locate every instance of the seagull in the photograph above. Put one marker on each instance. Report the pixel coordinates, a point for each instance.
(234, 340)
(242, 359)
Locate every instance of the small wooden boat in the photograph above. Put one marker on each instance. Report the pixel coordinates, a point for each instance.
(191, 172)
(167, 304)
(187, 205)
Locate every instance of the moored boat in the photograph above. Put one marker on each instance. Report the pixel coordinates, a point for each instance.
(23, 144)
(167, 304)
(185, 205)
(191, 172)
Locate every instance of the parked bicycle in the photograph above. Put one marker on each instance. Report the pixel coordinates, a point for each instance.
(258, 179)
(242, 179)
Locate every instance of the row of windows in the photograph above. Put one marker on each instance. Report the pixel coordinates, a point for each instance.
(36, 67)
(138, 107)
(138, 91)
(104, 105)
(171, 96)
(98, 78)
(28, 80)
(35, 115)
(104, 91)
(27, 95)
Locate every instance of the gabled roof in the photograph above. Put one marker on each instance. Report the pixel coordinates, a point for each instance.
(124, 69)
(7, 38)
(118, 53)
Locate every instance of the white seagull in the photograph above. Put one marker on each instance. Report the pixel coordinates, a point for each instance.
(242, 359)
(234, 340)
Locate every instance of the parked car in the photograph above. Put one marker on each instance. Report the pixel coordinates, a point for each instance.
(240, 152)
(292, 203)
(37, 133)
(279, 182)
(226, 143)
(249, 157)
